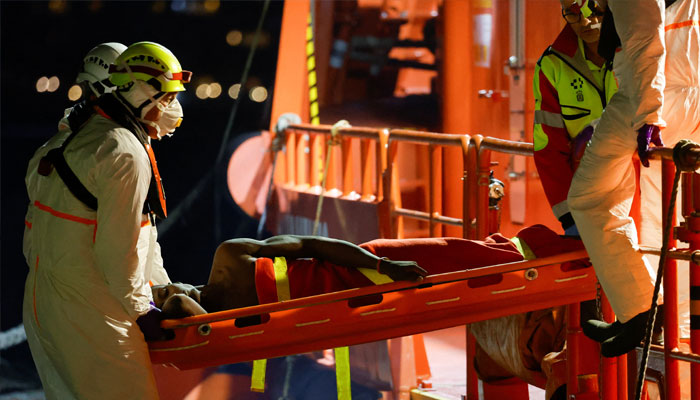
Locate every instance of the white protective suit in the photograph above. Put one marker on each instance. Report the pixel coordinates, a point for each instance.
(89, 271)
(653, 39)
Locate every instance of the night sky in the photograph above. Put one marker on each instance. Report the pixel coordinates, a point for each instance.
(50, 39)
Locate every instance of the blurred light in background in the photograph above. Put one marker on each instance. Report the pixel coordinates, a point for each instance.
(158, 6)
(57, 6)
(211, 6)
(208, 90)
(214, 90)
(234, 90)
(74, 92)
(178, 5)
(258, 94)
(263, 40)
(234, 38)
(95, 5)
(42, 84)
(202, 91)
(54, 83)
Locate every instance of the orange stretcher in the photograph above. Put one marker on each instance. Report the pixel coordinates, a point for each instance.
(374, 313)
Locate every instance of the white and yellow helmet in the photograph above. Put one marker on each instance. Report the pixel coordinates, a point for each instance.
(152, 63)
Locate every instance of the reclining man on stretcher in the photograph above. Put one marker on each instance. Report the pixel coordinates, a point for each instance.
(243, 274)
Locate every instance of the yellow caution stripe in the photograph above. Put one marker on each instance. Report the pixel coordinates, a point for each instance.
(257, 380)
(342, 373)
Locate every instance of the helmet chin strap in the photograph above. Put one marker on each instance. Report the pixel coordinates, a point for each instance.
(146, 106)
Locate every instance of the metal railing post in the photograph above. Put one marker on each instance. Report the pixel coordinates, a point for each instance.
(670, 284)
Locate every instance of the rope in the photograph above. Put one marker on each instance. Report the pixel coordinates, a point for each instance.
(657, 286)
(331, 142)
(12, 337)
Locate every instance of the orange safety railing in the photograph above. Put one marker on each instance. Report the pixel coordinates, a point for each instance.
(378, 173)
(306, 152)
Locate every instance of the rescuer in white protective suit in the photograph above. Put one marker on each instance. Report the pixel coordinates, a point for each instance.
(87, 292)
(657, 69)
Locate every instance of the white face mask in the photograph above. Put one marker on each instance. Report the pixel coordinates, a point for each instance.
(170, 120)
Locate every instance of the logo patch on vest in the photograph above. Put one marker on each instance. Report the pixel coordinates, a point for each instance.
(577, 84)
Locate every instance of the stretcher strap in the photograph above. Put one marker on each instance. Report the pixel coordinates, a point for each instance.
(257, 380)
(376, 277)
(523, 248)
(281, 279)
(342, 372)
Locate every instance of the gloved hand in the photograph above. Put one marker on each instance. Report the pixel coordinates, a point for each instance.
(150, 324)
(645, 135)
(579, 144)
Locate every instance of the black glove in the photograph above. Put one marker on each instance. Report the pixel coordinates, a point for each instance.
(150, 324)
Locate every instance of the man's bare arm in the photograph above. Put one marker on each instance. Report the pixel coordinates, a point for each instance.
(336, 251)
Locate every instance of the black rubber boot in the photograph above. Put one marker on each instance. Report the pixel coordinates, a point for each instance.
(630, 336)
(601, 331)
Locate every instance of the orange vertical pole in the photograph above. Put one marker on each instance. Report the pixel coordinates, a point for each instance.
(612, 382)
(456, 79)
(670, 282)
(622, 377)
(346, 166)
(332, 174)
(690, 190)
(290, 178)
(381, 160)
(396, 193)
(435, 192)
(470, 193)
(694, 280)
(482, 193)
(472, 379)
(302, 155)
(572, 347)
(317, 161)
(366, 177)
(466, 222)
(383, 185)
(392, 195)
(291, 91)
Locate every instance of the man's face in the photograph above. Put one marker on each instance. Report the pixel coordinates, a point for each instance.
(587, 28)
(161, 293)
